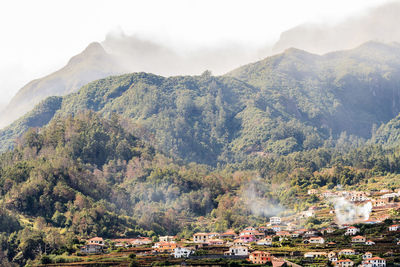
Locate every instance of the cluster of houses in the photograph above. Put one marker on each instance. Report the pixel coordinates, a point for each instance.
(241, 244)
(333, 257)
(382, 198)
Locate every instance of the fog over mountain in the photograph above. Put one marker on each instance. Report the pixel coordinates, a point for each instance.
(378, 25)
(120, 53)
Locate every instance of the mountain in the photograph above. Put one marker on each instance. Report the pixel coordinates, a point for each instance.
(348, 91)
(376, 24)
(289, 102)
(92, 64)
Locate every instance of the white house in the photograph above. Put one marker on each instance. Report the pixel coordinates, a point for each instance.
(267, 241)
(358, 239)
(316, 240)
(394, 227)
(347, 252)
(352, 230)
(367, 255)
(275, 220)
(276, 228)
(374, 262)
(181, 252)
(238, 251)
(200, 238)
(315, 254)
(167, 238)
(344, 263)
(369, 243)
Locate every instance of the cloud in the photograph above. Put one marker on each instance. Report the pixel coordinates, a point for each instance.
(379, 24)
(139, 54)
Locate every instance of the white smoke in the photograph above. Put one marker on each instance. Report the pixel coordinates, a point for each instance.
(259, 205)
(349, 213)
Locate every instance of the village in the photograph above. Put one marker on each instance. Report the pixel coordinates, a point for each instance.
(368, 240)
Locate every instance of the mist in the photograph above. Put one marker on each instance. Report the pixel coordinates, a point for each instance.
(379, 24)
(139, 54)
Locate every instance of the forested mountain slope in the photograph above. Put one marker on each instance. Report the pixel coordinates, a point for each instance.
(290, 102)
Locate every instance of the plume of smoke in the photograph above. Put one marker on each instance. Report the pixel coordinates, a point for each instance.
(256, 203)
(349, 213)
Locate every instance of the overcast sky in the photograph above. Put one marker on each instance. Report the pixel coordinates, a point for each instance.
(38, 37)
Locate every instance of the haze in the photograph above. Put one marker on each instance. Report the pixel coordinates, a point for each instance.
(39, 37)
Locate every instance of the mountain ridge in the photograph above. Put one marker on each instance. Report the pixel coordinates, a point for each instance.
(295, 100)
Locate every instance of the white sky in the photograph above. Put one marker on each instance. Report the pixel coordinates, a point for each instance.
(38, 37)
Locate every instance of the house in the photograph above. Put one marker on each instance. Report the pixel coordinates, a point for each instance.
(315, 254)
(295, 234)
(316, 240)
(358, 239)
(347, 252)
(165, 247)
(200, 238)
(328, 194)
(369, 243)
(214, 235)
(358, 196)
(267, 241)
(141, 241)
(181, 252)
(228, 234)
(352, 230)
(256, 233)
(367, 255)
(390, 195)
(250, 228)
(248, 238)
(96, 240)
(94, 245)
(216, 242)
(332, 256)
(283, 233)
(238, 251)
(239, 242)
(374, 262)
(92, 248)
(328, 230)
(167, 238)
(260, 257)
(394, 227)
(380, 202)
(344, 263)
(312, 191)
(276, 228)
(275, 220)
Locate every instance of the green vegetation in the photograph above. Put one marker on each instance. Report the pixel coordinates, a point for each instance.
(140, 154)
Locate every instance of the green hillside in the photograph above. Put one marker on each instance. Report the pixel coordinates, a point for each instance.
(290, 102)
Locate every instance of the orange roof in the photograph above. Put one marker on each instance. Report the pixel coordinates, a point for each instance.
(376, 258)
(96, 239)
(196, 234)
